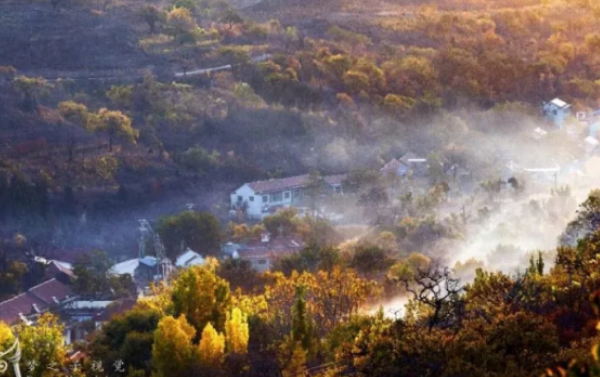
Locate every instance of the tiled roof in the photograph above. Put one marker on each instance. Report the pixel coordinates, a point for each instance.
(37, 299)
(51, 289)
(274, 247)
(274, 185)
(280, 184)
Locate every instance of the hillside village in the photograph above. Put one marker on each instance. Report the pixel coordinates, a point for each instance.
(283, 188)
(254, 201)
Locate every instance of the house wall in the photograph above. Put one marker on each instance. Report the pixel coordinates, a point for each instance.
(556, 114)
(246, 195)
(261, 265)
(255, 203)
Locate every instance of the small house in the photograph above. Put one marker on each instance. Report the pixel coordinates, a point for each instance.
(556, 111)
(263, 252)
(189, 258)
(408, 164)
(259, 198)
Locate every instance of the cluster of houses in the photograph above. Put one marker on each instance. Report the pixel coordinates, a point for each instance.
(56, 294)
(256, 200)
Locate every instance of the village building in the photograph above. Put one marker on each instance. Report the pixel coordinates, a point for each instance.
(261, 198)
(405, 166)
(189, 258)
(44, 297)
(261, 253)
(556, 111)
(83, 316)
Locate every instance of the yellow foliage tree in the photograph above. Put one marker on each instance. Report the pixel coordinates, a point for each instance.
(201, 296)
(292, 358)
(212, 346)
(237, 331)
(6, 336)
(172, 350)
(43, 344)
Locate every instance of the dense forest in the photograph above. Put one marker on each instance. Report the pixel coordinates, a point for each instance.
(112, 111)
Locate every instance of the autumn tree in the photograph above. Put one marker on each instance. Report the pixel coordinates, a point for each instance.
(202, 297)
(182, 26)
(237, 332)
(172, 351)
(31, 89)
(211, 348)
(116, 125)
(43, 344)
(586, 222)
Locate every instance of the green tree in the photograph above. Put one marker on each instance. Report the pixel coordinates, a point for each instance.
(199, 231)
(231, 17)
(92, 274)
(128, 337)
(302, 326)
(371, 260)
(152, 16)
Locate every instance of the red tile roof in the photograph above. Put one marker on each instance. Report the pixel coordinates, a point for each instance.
(41, 296)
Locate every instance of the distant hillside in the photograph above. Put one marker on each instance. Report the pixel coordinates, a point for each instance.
(36, 36)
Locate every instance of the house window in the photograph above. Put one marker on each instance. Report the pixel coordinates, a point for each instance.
(265, 198)
(554, 112)
(240, 198)
(251, 198)
(287, 194)
(277, 197)
(262, 261)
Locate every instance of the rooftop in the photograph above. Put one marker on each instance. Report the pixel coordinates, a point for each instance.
(189, 258)
(273, 247)
(288, 183)
(126, 267)
(559, 103)
(35, 300)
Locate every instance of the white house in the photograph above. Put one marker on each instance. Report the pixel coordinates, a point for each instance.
(409, 162)
(261, 197)
(556, 111)
(189, 258)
